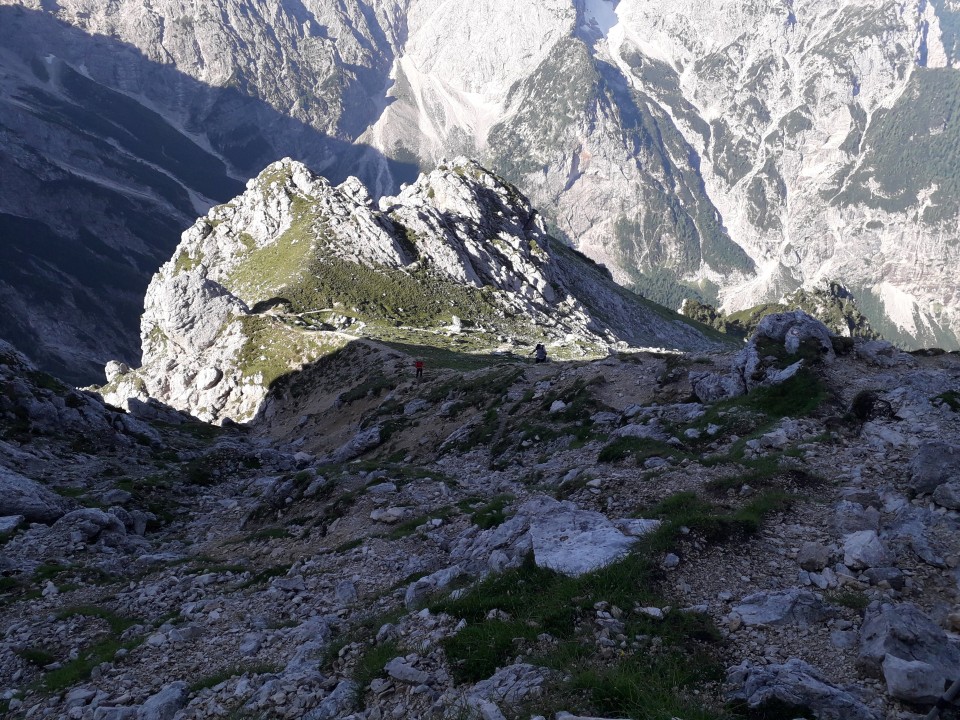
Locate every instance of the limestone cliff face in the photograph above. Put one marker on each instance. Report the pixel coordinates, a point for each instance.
(295, 268)
(731, 149)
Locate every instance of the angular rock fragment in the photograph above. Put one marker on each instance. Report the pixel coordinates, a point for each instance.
(786, 607)
(795, 685)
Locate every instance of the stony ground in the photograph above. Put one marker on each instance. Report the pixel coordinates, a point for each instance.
(380, 547)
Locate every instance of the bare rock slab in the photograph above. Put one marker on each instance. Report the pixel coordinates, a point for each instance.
(864, 549)
(934, 464)
(787, 607)
(572, 541)
(164, 704)
(913, 680)
(795, 684)
(906, 633)
(19, 495)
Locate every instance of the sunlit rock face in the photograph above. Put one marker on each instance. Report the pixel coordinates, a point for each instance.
(295, 268)
(735, 149)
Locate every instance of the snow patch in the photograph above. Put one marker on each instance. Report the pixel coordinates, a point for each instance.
(601, 15)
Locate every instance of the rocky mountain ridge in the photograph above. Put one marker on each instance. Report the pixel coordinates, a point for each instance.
(295, 268)
(731, 152)
(791, 549)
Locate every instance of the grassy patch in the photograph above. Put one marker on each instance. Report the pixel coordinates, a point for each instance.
(752, 415)
(643, 682)
(489, 515)
(656, 687)
(408, 527)
(349, 545)
(640, 449)
(849, 599)
(570, 487)
(766, 472)
(951, 399)
(442, 357)
(266, 575)
(36, 656)
(538, 601)
(370, 664)
(274, 533)
(220, 676)
(117, 623)
(480, 391)
(798, 397)
(102, 650)
(49, 571)
(580, 403)
(713, 524)
(273, 349)
(371, 387)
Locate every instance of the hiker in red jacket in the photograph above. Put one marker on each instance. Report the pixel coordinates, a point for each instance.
(418, 364)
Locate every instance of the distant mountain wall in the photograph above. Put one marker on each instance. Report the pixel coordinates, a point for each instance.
(731, 150)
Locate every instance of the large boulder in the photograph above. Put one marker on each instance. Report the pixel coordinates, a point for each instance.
(512, 685)
(750, 368)
(904, 632)
(794, 328)
(164, 704)
(864, 549)
(336, 703)
(711, 387)
(573, 541)
(795, 685)
(786, 607)
(948, 495)
(92, 525)
(19, 495)
(912, 680)
(362, 442)
(934, 464)
(562, 537)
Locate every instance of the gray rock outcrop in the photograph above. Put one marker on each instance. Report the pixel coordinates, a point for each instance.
(934, 464)
(793, 606)
(749, 368)
(904, 632)
(864, 549)
(219, 325)
(20, 495)
(164, 704)
(798, 686)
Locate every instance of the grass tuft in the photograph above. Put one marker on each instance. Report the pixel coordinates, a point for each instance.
(220, 676)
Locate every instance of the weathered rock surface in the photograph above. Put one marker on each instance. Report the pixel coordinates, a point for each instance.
(863, 550)
(750, 368)
(573, 541)
(251, 567)
(796, 685)
(165, 704)
(905, 632)
(794, 606)
(20, 495)
(934, 464)
(223, 319)
(913, 681)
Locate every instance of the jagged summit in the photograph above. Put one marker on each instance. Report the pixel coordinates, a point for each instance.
(296, 267)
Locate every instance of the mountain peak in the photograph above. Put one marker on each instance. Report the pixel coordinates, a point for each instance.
(296, 267)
